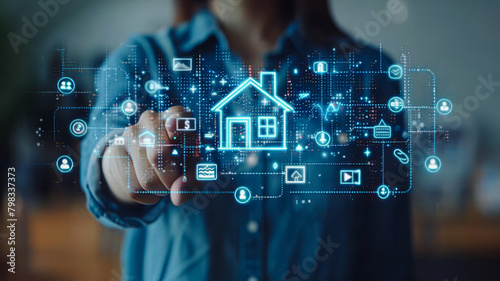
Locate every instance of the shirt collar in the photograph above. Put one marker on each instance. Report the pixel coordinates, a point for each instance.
(204, 25)
(200, 28)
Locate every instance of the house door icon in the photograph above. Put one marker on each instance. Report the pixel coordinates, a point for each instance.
(239, 132)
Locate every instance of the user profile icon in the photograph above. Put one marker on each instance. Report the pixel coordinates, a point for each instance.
(383, 191)
(78, 128)
(432, 164)
(66, 85)
(64, 164)
(129, 107)
(444, 106)
(242, 195)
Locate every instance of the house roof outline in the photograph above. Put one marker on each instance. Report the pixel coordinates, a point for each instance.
(296, 174)
(146, 133)
(250, 81)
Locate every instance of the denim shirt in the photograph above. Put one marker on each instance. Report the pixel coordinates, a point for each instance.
(212, 237)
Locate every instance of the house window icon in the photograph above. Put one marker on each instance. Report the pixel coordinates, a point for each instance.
(262, 123)
(147, 139)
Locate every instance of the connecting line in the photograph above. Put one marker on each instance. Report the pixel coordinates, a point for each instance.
(257, 197)
(185, 191)
(383, 162)
(410, 137)
(332, 191)
(429, 132)
(63, 57)
(249, 173)
(364, 104)
(419, 107)
(273, 196)
(374, 141)
(433, 98)
(333, 164)
(360, 128)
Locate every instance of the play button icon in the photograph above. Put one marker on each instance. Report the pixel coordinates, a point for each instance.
(350, 177)
(347, 176)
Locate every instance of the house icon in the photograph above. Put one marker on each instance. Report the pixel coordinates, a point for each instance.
(253, 116)
(147, 139)
(296, 176)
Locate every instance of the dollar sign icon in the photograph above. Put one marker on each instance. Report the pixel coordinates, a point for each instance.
(187, 125)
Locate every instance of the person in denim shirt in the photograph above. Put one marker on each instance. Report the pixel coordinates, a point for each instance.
(209, 236)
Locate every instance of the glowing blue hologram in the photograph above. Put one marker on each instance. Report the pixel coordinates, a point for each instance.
(185, 124)
(206, 172)
(304, 96)
(367, 152)
(237, 140)
(299, 148)
(267, 127)
(395, 104)
(395, 71)
(383, 191)
(320, 67)
(444, 106)
(322, 138)
(401, 156)
(129, 107)
(236, 132)
(295, 174)
(275, 165)
(382, 131)
(147, 139)
(433, 164)
(151, 86)
(332, 108)
(119, 141)
(66, 85)
(175, 152)
(183, 64)
(242, 195)
(64, 164)
(78, 128)
(351, 177)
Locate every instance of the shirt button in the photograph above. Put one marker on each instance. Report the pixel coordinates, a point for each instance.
(253, 278)
(252, 227)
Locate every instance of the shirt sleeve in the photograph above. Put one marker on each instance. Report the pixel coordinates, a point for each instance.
(114, 85)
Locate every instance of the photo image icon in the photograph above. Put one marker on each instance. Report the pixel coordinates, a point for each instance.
(183, 64)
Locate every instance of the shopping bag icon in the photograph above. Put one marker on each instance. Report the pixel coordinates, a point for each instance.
(382, 131)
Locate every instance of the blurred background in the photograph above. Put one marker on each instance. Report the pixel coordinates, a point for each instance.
(456, 212)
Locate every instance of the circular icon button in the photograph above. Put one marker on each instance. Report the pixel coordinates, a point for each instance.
(151, 86)
(78, 128)
(433, 164)
(129, 107)
(383, 191)
(444, 106)
(322, 138)
(242, 195)
(66, 85)
(64, 164)
(395, 104)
